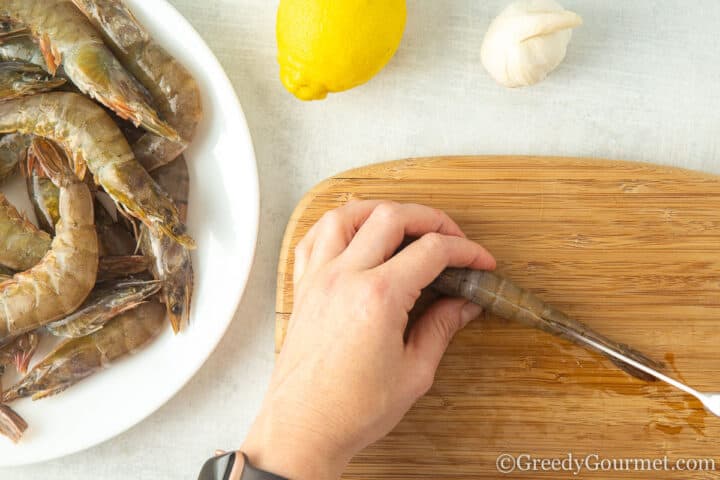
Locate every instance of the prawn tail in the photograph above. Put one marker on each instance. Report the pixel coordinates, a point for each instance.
(53, 57)
(12, 425)
(52, 161)
(151, 122)
(97, 73)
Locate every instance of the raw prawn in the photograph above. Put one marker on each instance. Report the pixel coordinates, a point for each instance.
(172, 264)
(62, 280)
(78, 358)
(506, 300)
(103, 305)
(85, 131)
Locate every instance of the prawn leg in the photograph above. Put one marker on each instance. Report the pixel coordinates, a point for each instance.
(506, 300)
(19, 352)
(115, 239)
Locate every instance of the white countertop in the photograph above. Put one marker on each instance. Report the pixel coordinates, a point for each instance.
(641, 82)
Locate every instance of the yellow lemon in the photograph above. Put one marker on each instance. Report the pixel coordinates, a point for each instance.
(334, 45)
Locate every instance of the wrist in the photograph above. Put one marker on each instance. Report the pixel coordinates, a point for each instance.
(276, 445)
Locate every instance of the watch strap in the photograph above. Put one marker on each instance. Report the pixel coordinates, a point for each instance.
(252, 473)
(220, 468)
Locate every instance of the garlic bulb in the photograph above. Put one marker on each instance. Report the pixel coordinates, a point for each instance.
(527, 41)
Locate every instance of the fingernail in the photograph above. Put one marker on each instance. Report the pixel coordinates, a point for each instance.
(470, 311)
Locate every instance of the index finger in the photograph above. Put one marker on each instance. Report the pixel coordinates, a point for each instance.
(418, 264)
(388, 225)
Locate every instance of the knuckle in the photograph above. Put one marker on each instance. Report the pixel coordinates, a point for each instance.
(331, 219)
(374, 289)
(434, 242)
(387, 211)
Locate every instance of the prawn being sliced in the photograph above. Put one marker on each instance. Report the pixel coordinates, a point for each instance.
(173, 89)
(92, 139)
(503, 298)
(62, 280)
(66, 38)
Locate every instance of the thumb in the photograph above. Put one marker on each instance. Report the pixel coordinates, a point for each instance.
(433, 331)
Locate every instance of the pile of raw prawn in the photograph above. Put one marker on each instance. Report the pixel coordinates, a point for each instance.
(96, 116)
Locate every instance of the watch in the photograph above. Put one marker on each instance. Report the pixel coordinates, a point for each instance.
(234, 466)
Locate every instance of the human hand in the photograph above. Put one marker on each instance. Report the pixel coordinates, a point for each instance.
(348, 371)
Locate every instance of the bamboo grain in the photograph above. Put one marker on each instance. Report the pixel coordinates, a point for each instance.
(631, 249)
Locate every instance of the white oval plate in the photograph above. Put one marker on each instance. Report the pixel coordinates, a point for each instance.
(223, 219)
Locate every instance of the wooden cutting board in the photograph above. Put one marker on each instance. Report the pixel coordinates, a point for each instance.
(631, 249)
